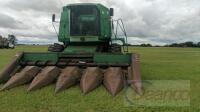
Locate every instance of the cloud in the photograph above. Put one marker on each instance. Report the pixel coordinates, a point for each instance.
(153, 21)
(35, 5)
(7, 21)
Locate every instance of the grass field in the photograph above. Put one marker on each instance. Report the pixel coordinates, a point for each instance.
(156, 64)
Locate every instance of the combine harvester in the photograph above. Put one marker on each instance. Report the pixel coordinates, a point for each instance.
(88, 55)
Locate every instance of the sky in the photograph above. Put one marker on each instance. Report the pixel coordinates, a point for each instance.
(158, 22)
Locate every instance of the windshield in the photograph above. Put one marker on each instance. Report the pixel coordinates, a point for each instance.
(84, 21)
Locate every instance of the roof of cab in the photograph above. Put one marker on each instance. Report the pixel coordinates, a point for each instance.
(82, 4)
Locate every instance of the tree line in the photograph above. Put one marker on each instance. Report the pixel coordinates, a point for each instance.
(184, 44)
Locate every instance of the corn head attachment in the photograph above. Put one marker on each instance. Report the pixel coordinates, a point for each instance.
(91, 70)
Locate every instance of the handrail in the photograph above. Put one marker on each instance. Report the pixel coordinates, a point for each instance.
(120, 25)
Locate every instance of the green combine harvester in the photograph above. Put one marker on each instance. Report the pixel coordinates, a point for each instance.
(89, 55)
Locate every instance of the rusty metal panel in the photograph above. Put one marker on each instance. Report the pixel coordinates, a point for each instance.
(69, 77)
(25, 76)
(114, 80)
(91, 79)
(136, 82)
(44, 78)
(5, 75)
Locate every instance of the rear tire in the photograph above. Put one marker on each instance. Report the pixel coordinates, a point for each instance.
(56, 48)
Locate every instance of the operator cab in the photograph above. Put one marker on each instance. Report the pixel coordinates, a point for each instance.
(84, 21)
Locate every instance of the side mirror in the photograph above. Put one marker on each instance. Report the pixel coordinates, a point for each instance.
(53, 18)
(111, 12)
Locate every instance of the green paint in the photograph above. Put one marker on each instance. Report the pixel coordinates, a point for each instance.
(112, 58)
(104, 19)
(64, 26)
(98, 58)
(43, 57)
(80, 49)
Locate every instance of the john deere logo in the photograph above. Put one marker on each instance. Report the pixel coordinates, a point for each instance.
(82, 39)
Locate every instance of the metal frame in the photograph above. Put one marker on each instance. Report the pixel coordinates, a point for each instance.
(120, 25)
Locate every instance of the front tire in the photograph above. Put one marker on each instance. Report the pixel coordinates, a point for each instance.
(115, 48)
(56, 48)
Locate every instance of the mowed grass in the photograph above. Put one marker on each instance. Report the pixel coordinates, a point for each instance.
(156, 64)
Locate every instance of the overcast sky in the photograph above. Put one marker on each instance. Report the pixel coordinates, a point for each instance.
(146, 21)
